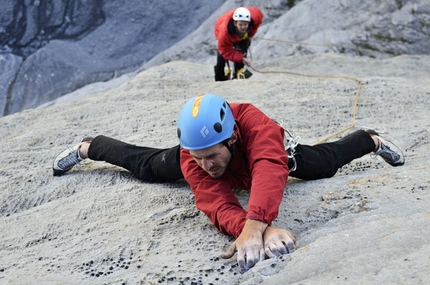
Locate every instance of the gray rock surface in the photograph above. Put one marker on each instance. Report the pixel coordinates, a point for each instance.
(369, 224)
(374, 28)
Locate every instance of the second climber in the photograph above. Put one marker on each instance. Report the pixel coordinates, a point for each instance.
(234, 31)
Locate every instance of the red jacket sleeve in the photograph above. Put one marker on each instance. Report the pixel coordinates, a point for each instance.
(227, 41)
(263, 143)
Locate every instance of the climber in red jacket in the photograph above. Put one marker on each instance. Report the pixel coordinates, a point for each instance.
(225, 147)
(234, 31)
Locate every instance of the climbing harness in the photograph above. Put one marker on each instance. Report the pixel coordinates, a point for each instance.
(290, 143)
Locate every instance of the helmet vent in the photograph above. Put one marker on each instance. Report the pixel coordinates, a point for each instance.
(221, 114)
(218, 126)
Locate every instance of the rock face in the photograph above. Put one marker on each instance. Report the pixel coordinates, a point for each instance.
(369, 224)
(50, 48)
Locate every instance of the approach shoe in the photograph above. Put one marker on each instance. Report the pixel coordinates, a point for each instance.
(68, 158)
(388, 151)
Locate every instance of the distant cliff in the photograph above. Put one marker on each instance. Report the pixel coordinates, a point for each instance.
(50, 48)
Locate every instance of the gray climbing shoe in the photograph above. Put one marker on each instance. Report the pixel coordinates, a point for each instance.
(388, 151)
(68, 158)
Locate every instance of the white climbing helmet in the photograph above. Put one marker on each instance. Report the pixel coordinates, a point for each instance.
(242, 14)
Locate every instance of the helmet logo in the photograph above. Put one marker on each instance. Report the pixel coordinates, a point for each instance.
(196, 106)
(204, 131)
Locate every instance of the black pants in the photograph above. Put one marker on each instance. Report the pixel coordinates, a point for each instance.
(162, 165)
(242, 47)
(146, 163)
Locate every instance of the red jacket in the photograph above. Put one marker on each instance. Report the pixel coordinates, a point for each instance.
(226, 41)
(259, 165)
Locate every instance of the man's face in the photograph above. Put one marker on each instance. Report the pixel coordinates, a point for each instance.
(214, 160)
(241, 26)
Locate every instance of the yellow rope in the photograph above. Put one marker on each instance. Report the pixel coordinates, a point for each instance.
(354, 113)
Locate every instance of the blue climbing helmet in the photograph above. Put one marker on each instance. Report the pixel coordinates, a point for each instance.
(204, 121)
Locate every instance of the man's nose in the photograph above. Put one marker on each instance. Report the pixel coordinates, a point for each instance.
(207, 164)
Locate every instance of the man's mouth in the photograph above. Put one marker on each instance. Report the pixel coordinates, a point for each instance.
(214, 170)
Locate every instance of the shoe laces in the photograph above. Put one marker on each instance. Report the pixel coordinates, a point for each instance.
(386, 153)
(71, 159)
